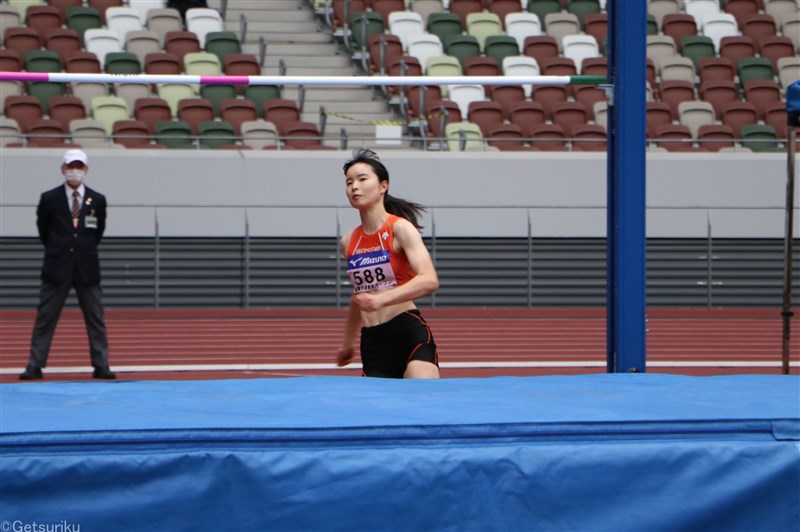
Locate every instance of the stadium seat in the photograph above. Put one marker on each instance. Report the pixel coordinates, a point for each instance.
(737, 114)
(701, 8)
(385, 8)
(500, 46)
(203, 21)
(596, 25)
(303, 136)
(547, 95)
(718, 25)
(759, 26)
(424, 46)
(589, 137)
(674, 137)
(507, 137)
(405, 23)
(790, 27)
(173, 93)
(9, 131)
(383, 48)
(569, 114)
(601, 114)
(659, 8)
(180, 43)
(101, 42)
(482, 25)
(109, 109)
(123, 19)
(775, 48)
(43, 19)
(162, 21)
(660, 46)
(236, 111)
(131, 133)
(542, 8)
(716, 68)
(88, 91)
(10, 61)
(678, 67)
(142, 43)
(560, 24)
(162, 63)
(521, 25)
(526, 114)
(759, 138)
(463, 136)
(131, 92)
(695, 114)
(580, 47)
(466, 93)
(439, 113)
(482, 66)
(122, 63)
(64, 42)
(541, 47)
(507, 95)
(23, 109)
(780, 8)
(89, 133)
(102, 7)
(260, 135)
(174, 134)
(215, 134)
(152, 111)
(44, 90)
(44, 132)
(487, 114)
(788, 70)
(443, 65)
(463, 8)
(10, 17)
(193, 111)
(281, 112)
(42, 61)
(362, 25)
(462, 46)
(657, 114)
(714, 137)
(672, 92)
(22, 40)
(719, 93)
(85, 62)
(64, 109)
(547, 137)
(582, 8)
(222, 43)
(503, 8)
(444, 25)
(741, 9)
(521, 65)
(754, 68)
(81, 19)
(761, 93)
(678, 26)
(775, 115)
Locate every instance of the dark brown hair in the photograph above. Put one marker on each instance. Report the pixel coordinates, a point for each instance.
(399, 207)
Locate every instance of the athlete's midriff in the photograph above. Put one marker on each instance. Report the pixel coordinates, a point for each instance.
(374, 266)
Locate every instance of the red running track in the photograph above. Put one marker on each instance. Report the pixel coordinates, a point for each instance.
(475, 342)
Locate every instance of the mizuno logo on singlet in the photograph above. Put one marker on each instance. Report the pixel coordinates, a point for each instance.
(359, 262)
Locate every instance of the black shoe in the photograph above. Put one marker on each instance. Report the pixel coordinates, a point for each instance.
(103, 373)
(31, 373)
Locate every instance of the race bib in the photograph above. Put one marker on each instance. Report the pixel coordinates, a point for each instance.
(370, 271)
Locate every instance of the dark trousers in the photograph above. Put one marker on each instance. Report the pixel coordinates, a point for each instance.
(51, 302)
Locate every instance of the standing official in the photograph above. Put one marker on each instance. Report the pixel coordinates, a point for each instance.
(71, 220)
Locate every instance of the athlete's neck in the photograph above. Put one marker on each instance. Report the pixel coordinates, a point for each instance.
(373, 220)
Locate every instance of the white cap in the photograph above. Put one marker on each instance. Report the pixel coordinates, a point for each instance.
(76, 155)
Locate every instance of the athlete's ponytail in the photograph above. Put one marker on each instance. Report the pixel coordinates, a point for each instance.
(399, 207)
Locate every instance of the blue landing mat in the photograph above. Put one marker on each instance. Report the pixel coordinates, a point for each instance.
(596, 452)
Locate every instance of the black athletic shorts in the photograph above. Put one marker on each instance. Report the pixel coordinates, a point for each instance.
(386, 349)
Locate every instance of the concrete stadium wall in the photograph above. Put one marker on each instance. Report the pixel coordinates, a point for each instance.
(301, 193)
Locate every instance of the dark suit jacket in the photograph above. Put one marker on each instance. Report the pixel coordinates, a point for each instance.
(70, 254)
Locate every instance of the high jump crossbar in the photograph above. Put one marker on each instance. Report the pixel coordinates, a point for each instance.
(67, 77)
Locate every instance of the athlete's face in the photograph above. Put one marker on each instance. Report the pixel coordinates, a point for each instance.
(363, 187)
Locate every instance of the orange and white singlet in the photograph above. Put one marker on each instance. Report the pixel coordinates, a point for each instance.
(372, 263)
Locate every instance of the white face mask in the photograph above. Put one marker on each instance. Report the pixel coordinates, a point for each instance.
(75, 175)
